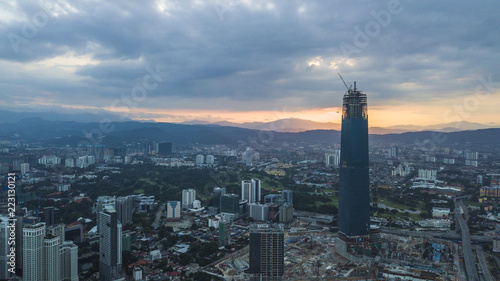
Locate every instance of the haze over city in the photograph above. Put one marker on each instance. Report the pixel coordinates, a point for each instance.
(421, 63)
(249, 140)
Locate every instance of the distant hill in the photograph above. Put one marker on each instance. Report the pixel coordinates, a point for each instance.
(300, 125)
(71, 133)
(7, 116)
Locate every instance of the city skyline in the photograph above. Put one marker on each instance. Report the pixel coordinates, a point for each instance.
(244, 61)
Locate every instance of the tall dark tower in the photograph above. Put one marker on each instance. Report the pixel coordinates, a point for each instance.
(354, 197)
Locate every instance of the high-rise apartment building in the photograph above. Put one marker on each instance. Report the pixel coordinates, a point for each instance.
(51, 258)
(110, 244)
(4, 247)
(33, 242)
(69, 261)
(354, 194)
(124, 209)
(251, 190)
(288, 196)
(188, 197)
(266, 254)
(173, 210)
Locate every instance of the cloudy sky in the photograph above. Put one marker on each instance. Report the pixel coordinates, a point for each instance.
(419, 62)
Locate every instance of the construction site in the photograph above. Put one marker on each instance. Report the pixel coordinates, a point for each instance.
(312, 256)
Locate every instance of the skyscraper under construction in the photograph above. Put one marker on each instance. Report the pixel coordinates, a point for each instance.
(354, 197)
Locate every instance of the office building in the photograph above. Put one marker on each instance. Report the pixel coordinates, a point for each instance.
(51, 258)
(173, 210)
(4, 247)
(188, 197)
(286, 213)
(51, 216)
(164, 148)
(251, 190)
(258, 212)
(110, 244)
(230, 203)
(266, 253)
(69, 261)
(217, 195)
(33, 242)
(224, 233)
(102, 202)
(288, 196)
(354, 194)
(124, 209)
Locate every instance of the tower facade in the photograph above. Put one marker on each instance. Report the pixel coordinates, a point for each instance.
(33, 238)
(266, 253)
(354, 195)
(51, 258)
(110, 244)
(69, 261)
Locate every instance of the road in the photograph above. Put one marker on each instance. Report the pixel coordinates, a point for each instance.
(158, 215)
(484, 265)
(435, 234)
(470, 266)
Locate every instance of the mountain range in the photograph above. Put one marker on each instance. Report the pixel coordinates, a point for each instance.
(71, 133)
(295, 125)
(291, 125)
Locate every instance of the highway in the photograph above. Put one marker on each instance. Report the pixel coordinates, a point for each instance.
(470, 266)
(484, 265)
(158, 215)
(435, 234)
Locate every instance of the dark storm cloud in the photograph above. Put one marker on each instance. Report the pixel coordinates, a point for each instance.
(256, 51)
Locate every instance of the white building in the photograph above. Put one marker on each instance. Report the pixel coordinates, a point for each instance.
(69, 162)
(69, 261)
(25, 168)
(332, 159)
(137, 274)
(4, 247)
(427, 174)
(173, 210)
(259, 212)
(196, 204)
(200, 159)
(188, 197)
(33, 251)
(210, 159)
(51, 258)
(155, 255)
(251, 190)
(440, 213)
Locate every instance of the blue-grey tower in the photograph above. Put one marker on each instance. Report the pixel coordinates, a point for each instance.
(354, 195)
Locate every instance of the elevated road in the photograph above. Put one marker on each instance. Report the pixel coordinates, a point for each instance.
(470, 265)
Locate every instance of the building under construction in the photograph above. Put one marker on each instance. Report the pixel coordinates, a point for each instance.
(354, 194)
(266, 253)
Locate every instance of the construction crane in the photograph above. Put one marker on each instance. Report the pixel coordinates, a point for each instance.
(350, 86)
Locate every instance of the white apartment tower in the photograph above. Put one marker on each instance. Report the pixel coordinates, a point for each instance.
(188, 197)
(33, 243)
(51, 258)
(251, 190)
(69, 261)
(4, 247)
